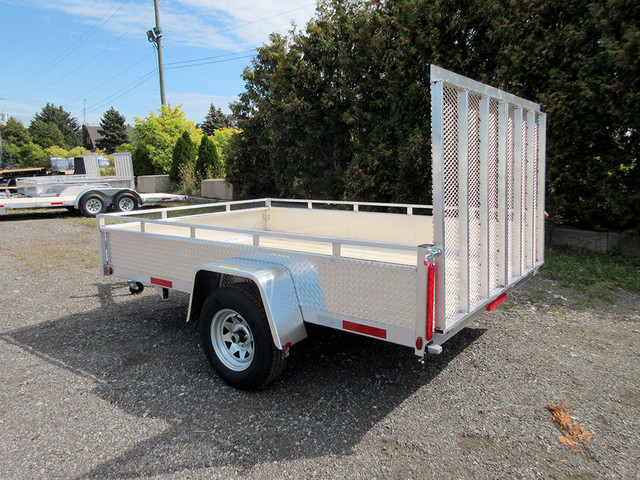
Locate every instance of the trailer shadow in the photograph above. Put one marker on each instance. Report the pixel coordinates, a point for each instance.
(140, 356)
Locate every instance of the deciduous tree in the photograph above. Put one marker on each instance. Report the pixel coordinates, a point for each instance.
(158, 132)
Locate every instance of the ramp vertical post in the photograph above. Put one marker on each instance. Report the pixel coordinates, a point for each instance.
(518, 175)
(530, 214)
(542, 146)
(463, 196)
(485, 283)
(437, 162)
(503, 204)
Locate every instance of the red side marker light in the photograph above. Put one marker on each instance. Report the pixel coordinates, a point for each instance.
(286, 345)
(431, 273)
(419, 343)
(496, 302)
(56, 203)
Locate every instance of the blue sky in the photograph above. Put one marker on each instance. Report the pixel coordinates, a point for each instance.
(95, 54)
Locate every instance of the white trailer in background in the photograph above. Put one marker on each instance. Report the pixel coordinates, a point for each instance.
(258, 271)
(90, 193)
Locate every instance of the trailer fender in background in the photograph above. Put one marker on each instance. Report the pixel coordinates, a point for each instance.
(277, 291)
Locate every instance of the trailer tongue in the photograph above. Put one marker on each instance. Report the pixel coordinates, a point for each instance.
(258, 271)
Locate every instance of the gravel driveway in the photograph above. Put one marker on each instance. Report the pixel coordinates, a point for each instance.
(97, 383)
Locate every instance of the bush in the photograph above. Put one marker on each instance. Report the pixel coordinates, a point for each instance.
(208, 164)
(184, 153)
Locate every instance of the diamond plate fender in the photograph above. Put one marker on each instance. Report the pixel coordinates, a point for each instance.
(275, 283)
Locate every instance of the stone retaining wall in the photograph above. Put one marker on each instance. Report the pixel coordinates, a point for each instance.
(605, 242)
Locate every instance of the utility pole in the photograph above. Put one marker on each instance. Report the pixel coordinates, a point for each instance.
(155, 36)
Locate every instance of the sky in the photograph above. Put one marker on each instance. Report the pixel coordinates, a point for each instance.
(90, 55)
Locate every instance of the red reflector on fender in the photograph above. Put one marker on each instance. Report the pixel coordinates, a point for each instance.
(366, 329)
(56, 203)
(168, 198)
(162, 283)
(496, 302)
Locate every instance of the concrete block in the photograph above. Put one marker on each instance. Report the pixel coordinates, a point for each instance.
(217, 188)
(154, 184)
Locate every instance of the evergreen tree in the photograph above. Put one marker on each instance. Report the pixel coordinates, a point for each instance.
(208, 164)
(67, 124)
(215, 120)
(113, 131)
(141, 161)
(342, 109)
(184, 153)
(46, 134)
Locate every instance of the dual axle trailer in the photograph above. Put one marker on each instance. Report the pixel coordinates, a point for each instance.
(259, 271)
(90, 193)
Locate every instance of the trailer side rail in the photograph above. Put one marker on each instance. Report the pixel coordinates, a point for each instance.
(186, 229)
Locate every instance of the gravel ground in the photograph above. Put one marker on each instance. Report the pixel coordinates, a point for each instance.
(97, 383)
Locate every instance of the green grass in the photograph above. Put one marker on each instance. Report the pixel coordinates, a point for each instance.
(595, 274)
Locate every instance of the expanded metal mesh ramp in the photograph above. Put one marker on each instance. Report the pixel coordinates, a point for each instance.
(488, 153)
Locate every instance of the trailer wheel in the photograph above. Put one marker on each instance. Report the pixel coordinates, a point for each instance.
(236, 338)
(125, 202)
(91, 205)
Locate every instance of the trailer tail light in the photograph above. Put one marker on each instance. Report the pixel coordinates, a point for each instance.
(496, 302)
(431, 273)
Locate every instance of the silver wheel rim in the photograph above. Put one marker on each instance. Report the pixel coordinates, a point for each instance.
(93, 206)
(125, 204)
(232, 340)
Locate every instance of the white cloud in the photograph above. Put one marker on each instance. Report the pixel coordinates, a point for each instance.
(234, 26)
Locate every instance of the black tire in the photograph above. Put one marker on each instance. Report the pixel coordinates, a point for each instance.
(238, 311)
(125, 202)
(138, 288)
(92, 204)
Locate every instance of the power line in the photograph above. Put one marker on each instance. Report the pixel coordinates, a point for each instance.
(113, 77)
(240, 26)
(109, 98)
(207, 63)
(68, 74)
(71, 48)
(144, 79)
(211, 58)
(141, 80)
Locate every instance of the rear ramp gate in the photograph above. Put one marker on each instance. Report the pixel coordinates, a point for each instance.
(488, 157)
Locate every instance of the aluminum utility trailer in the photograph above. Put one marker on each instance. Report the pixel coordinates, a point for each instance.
(90, 193)
(258, 271)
